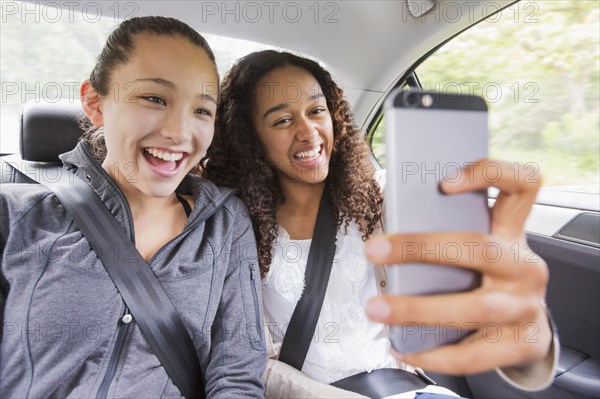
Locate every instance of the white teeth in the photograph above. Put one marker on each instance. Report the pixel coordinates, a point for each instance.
(308, 154)
(167, 156)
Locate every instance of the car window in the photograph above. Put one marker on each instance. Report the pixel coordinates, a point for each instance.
(537, 66)
(47, 52)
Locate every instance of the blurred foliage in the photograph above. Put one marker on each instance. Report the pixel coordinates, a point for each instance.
(53, 47)
(537, 65)
(39, 51)
(47, 52)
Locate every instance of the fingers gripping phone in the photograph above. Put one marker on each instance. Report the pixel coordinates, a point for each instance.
(430, 136)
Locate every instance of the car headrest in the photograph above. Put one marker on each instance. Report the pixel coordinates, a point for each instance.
(49, 129)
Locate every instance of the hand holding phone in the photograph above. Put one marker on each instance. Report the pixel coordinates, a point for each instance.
(431, 136)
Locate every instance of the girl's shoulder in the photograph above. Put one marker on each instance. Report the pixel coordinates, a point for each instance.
(19, 197)
(27, 205)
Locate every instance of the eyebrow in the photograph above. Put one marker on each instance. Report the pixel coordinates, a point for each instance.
(275, 109)
(282, 106)
(208, 97)
(160, 81)
(171, 85)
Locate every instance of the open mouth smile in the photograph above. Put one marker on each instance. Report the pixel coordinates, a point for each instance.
(164, 162)
(309, 156)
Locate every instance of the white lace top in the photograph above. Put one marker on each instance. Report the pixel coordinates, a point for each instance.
(345, 342)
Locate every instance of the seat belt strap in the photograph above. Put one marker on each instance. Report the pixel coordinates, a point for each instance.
(301, 328)
(143, 294)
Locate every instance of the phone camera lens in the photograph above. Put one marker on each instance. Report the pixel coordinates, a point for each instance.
(411, 99)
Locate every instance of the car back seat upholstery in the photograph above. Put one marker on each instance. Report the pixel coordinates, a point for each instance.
(46, 131)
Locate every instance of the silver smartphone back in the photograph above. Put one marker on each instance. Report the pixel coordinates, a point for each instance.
(430, 136)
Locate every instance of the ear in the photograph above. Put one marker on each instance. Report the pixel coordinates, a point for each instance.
(91, 102)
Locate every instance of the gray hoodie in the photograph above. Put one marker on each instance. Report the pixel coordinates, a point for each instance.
(62, 332)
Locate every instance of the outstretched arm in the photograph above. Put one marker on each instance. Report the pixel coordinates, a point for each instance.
(511, 295)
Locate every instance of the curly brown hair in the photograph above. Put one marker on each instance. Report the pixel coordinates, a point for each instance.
(236, 157)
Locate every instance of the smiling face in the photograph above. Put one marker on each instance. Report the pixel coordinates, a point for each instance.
(294, 124)
(158, 118)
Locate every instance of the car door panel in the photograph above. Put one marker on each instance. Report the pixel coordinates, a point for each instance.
(574, 301)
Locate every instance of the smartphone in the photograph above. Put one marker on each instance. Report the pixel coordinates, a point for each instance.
(430, 136)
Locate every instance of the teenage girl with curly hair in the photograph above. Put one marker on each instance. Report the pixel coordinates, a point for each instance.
(284, 137)
(239, 159)
(281, 159)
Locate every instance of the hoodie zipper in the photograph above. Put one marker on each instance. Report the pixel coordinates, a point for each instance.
(123, 327)
(255, 297)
